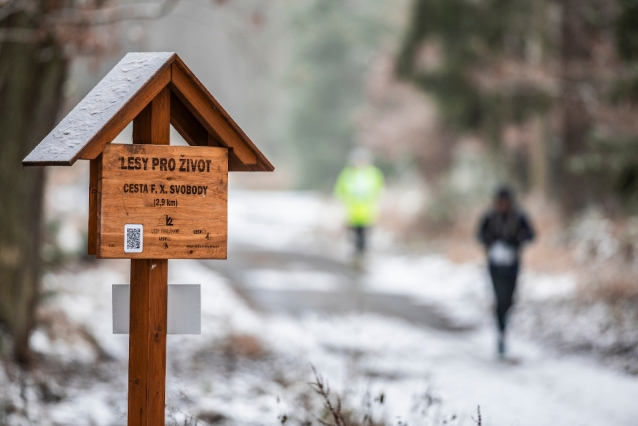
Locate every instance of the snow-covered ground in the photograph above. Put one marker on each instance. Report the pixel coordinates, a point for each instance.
(251, 366)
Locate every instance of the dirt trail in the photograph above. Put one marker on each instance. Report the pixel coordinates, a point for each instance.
(348, 296)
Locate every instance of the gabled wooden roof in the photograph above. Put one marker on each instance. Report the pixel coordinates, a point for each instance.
(124, 92)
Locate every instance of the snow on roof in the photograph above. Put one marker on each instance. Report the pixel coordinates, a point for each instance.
(65, 143)
(123, 93)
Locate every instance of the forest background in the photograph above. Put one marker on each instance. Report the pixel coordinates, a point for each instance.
(454, 97)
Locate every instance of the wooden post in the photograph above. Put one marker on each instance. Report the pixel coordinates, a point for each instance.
(149, 298)
(94, 203)
(147, 344)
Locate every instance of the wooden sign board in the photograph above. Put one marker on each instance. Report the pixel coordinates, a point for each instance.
(163, 202)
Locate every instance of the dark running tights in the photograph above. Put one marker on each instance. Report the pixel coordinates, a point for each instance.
(359, 238)
(504, 282)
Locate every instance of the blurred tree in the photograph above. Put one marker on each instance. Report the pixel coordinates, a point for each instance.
(332, 43)
(533, 78)
(399, 122)
(626, 30)
(489, 68)
(37, 39)
(612, 155)
(583, 26)
(30, 94)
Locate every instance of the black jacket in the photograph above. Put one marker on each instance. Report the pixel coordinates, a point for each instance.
(513, 228)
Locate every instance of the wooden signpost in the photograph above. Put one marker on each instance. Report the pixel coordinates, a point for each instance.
(150, 202)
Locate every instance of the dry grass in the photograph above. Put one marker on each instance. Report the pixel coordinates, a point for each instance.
(333, 410)
(426, 409)
(478, 420)
(612, 287)
(244, 345)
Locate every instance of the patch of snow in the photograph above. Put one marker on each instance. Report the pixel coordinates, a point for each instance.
(461, 290)
(360, 354)
(292, 280)
(98, 107)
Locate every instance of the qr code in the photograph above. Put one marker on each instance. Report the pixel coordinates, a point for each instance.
(133, 238)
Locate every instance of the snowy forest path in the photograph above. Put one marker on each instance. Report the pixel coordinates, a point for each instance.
(344, 293)
(534, 385)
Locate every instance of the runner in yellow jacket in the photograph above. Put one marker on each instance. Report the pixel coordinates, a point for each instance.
(359, 187)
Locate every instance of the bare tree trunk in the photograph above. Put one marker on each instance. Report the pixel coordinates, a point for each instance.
(578, 37)
(539, 156)
(535, 55)
(31, 78)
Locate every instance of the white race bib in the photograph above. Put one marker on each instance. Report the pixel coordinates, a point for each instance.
(501, 254)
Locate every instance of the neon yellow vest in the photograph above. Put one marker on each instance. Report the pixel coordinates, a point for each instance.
(359, 188)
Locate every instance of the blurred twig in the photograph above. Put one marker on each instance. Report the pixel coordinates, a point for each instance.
(478, 420)
(323, 390)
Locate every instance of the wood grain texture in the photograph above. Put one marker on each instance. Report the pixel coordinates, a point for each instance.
(234, 163)
(186, 124)
(125, 116)
(149, 287)
(152, 125)
(147, 342)
(179, 195)
(105, 111)
(262, 165)
(94, 199)
(201, 106)
(125, 93)
(195, 134)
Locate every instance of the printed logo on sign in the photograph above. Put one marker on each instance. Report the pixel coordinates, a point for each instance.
(133, 238)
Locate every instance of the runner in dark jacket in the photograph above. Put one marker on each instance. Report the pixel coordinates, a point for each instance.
(503, 231)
